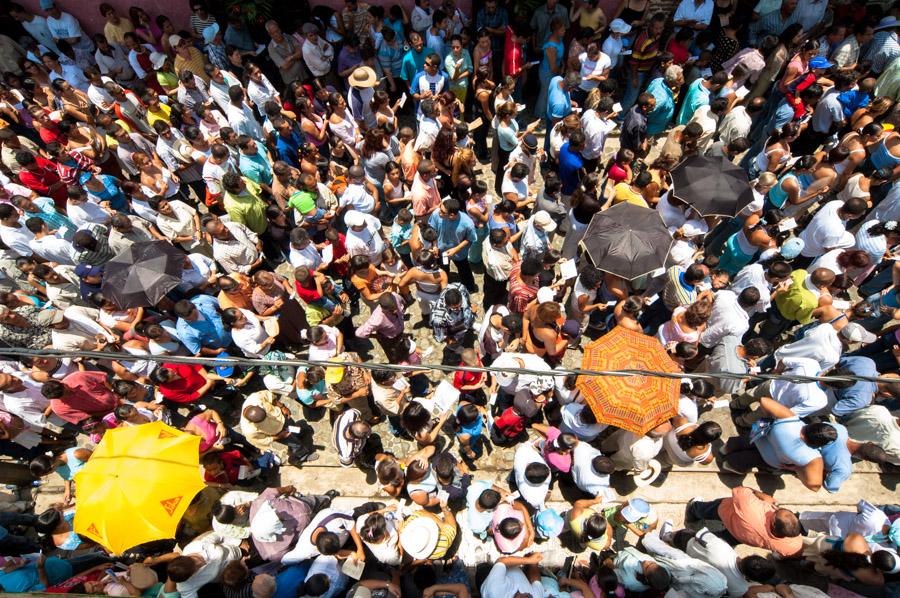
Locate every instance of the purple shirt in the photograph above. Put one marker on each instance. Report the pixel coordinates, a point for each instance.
(389, 325)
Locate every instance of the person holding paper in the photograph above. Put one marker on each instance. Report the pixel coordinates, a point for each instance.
(458, 65)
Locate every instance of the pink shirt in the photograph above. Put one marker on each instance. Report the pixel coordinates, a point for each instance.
(504, 544)
(561, 462)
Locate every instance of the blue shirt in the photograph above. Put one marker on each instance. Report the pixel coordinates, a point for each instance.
(111, 193)
(287, 148)
(207, 331)
(570, 165)
(287, 580)
(836, 457)
(860, 394)
(479, 521)
(256, 168)
(782, 445)
(559, 102)
(661, 115)
(697, 95)
(453, 232)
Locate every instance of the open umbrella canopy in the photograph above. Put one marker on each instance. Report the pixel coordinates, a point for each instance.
(627, 240)
(712, 186)
(142, 274)
(637, 403)
(137, 485)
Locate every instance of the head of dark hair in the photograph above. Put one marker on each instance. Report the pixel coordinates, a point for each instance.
(537, 473)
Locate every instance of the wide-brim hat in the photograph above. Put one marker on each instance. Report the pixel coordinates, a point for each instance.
(363, 76)
(419, 537)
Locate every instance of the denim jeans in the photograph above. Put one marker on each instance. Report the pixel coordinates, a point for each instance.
(632, 92)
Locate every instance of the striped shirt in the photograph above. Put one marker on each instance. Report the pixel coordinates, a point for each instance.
(446, 534)
(874, 245)
(771, 23)
(646, 49)
(677, 293)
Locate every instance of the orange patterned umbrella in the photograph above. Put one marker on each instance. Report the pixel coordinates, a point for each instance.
(636, 403)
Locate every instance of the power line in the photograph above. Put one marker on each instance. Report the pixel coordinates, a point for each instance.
(558, 371)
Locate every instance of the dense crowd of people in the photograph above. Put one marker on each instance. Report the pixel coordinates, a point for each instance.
(321, 182)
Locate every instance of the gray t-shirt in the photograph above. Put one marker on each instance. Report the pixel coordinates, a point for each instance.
(724, 358)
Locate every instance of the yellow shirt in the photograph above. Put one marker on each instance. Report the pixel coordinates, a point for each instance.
(162, 114)
(623, 192)
(115, 34)
(195, 63)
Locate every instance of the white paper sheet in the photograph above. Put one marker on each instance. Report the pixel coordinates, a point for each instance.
(569, 269)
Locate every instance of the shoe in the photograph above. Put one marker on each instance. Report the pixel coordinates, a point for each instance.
(869, 451)
(298, 459)
(688, 516)
(332, 494)
(665, 531)
(731, 469)
(646, 477)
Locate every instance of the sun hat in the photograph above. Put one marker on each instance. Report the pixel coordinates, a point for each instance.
(334, 374)
(635, 509)
(141, 576)
(182, 150)
(888, 22)
(619, 26)
(210, 32)
(419, 537)
(157, 59)
(646, 477)
(543, 221)
(175, 39)
(354, 218)
(820, 62)
(855, 333)
(792, 248)
(548, 523)
(363, 76)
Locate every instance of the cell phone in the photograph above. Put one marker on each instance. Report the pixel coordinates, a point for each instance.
(567, 567)
(111, 572)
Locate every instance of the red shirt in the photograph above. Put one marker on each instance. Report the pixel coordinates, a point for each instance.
(231, 462)
(462, 378)
(40, 180)
(50, 133)
(513, 56)
(340, 270)
(87, 395)
(183, 390)
(308, 293)
(680, 54)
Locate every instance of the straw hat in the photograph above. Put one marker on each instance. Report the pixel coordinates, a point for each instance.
(419, 537)
(363, 76)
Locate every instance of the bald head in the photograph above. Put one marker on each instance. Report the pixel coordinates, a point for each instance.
(822, 277)
(254, 414)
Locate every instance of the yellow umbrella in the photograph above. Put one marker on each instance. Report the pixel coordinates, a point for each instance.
(137, 485)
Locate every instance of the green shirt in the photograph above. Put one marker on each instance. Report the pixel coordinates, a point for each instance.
(167, 79)
(247, 208)
(798, 302)
(450, 67)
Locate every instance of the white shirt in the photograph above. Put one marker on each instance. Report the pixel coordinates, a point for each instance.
(612, 47)
(689, 11)
(711, 549)
(357, 196)
(572, 424)
(116, 61)
(318, 57)
(826, 231)
(219, 91)
(38, 29)
(67, 26)
(583, 473)
(829, 261)
(305, 549)
(213, 173)
(593, 68)
(328, 348)
(428, 131)
(706, 119)
(506, 582)
(198, 273)
(217, 551)
(243, 122)
(308, 256)
(728, 318)
(367, 241)
(821, 343)
(86, 213)
(736, 123)
(754, 275)
(595, 129)
(53, 249)
(101, 97)
(251, 336)
(17, 239)
(533, 495)
(261, 92)
(29, 404)
(803, 398)
(72, 75)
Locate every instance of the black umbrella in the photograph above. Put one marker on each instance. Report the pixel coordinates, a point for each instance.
(712, 186)
(627, 240)
(142, 274)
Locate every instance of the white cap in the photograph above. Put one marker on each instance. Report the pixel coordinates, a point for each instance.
(619, 26)
(354, 218)
(543, 221)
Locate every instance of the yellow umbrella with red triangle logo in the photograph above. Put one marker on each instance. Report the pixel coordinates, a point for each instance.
(137, 485)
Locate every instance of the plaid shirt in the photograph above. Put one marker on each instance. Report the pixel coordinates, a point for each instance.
(447, 323)
(239, 252)
(102, 254)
